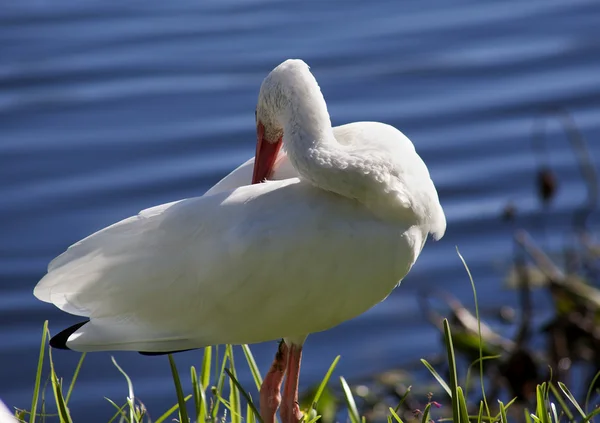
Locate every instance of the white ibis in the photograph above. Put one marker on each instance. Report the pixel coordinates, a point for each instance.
(253, 263)
(5, 415)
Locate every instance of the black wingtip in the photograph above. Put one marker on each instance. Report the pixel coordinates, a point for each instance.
(151, 353)
(59, 341)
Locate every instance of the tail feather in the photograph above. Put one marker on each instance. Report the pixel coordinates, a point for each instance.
(108, 335)
(59, 341)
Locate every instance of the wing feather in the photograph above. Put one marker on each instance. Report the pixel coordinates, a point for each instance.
(235, 267)
(243, 264)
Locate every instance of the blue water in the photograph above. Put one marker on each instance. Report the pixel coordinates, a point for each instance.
(110, 107)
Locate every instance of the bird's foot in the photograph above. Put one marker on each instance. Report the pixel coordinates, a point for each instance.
(270, 396)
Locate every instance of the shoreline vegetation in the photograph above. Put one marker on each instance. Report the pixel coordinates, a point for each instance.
(215, 394)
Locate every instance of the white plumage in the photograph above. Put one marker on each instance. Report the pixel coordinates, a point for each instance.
(5, 415)
(341, 225)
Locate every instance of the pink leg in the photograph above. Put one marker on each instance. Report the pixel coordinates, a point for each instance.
(270, 396)
(290, 410)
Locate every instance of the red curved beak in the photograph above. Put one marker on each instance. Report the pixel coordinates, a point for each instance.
(266, 154)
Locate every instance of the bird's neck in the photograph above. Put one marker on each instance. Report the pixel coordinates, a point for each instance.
(309, 142)
(315, 153)
(362, 174)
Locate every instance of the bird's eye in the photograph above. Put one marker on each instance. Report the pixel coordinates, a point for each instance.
(255, 115)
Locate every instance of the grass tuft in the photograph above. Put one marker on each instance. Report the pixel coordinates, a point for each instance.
(246, 411)
(323, 384)
(38, 375)
(553, 403)
(481, 358)
(183, 414)
(350, 402)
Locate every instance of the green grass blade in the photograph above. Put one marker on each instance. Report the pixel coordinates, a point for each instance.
(561, 401)
(250, 418)
(452, 369)
(352, 410)
(234, 391)
(527, 416)
(171, 410)
(247, 397)
(227, 405)
(571, 398)
(403, 399)
(205, 369)
(474, 417)
(511, 402)
(324, 383)
(542, 407)
(437, 377)
(131, 394)
(503, 417)
(219, 388)
(253, 367)
(196, 392)
(75, 375)
(222, 400)
(589, 392)
(43, 407)
(480, 415)
(462, 403)
(591, 415)
(487, 408)
(217, 374)
(204, 383)
(554, 414)
(120, 410)
(38, 374)
(425, 418)
(63, 411)
(204, 406)
(395, 415)
(180, 397)
(506, 407)
(540, 404)
(475, 362)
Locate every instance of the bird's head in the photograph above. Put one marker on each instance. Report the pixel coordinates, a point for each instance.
(273, 104)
